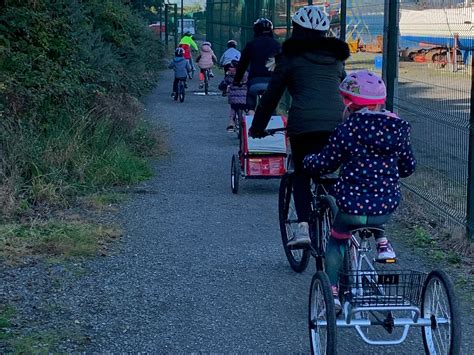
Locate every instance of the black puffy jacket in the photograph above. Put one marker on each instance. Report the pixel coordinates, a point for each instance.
(256, 54)
(312, 72)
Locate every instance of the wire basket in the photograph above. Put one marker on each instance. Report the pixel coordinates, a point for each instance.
(381, 288)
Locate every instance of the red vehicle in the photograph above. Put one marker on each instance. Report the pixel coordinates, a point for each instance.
(158, 28)
(264, 158)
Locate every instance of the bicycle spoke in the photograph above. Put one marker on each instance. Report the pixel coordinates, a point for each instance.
(439, 339)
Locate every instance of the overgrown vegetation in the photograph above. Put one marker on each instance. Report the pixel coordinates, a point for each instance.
(71, 73)
(54, 239)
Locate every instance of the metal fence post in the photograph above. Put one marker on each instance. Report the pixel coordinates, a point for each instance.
(167, 33)
(390, 55)
(175, 26)
(288, 18)
(470, 165)
(182, 18)
(343, 20)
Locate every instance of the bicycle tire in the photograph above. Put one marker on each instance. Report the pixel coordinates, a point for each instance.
(321, 288)
(297, 258)
(181, 92)
(206, 82)
(235, 174)
(454, 332)
(237, 122)
(321, 226)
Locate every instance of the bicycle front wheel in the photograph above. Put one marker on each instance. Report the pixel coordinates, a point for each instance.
(298, 258)
(439, 303)
(321, 316)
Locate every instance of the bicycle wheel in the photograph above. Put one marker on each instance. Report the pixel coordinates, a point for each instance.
(237, 120)
(298, 258)
(206, 82)
(321, 316)
(322, 225)
(439, 303)
(235, 174)
(181, 91)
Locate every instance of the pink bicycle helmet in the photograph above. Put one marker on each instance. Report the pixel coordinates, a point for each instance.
(363, 88)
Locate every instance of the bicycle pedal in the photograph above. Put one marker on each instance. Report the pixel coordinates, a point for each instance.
(386, 261)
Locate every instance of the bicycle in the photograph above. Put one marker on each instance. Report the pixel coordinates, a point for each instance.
(205, 73)
(390, 299)
(180, 93)
(323, 210)
(238, 117)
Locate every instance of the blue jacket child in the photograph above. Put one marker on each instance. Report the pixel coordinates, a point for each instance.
(181, 68)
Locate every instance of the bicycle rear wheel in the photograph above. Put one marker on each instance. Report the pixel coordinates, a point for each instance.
(181, 90)
(321, 316)
(237, 122)
(206, 82)
(439, 303)
(298, 258)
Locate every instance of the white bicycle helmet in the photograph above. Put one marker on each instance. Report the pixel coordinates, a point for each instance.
(311, 17)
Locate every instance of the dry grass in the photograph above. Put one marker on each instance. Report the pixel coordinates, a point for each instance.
(433, 235)
(61, 239)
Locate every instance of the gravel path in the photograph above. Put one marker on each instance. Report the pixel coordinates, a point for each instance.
(201, 269)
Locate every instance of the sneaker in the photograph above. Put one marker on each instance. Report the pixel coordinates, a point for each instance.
(385, 251)
(172, 94)
(211, 74)
(335, 295)
(230, 129)
(301, 237)
(201, 85)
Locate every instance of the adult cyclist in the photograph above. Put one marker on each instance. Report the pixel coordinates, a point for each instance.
(188, 44)
(311, 67)
(256, 54)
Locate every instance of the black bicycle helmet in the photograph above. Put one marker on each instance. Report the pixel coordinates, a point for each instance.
(179, 52)
(231, 44)
(262, 25)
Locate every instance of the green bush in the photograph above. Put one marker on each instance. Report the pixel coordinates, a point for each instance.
(70, 76)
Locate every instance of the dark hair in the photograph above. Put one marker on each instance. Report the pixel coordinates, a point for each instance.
(299, 32)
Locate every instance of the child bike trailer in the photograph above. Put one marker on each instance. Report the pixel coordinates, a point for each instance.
(263, 158)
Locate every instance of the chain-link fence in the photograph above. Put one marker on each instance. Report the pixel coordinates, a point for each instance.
(424, 50)
(434, 89)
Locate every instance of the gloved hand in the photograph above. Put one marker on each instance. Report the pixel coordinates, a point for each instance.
(256, 133)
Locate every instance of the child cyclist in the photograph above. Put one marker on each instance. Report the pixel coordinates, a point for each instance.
(237, 95)
(372, 148)
(181, 68)
(205, 60)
